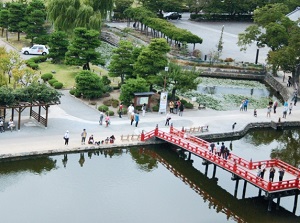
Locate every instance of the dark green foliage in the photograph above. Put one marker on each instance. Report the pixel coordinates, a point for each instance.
(103, 108)
(33, 62)
(52, 81)
(110, 113)
(81, 51)
(16, 17)
(58, 44)
(7, 96)
(47, 76)
(57, 85)
(132, 86)
(89, 85)
(155, 108)
(72, 91)
(189, 105)
(105, 80)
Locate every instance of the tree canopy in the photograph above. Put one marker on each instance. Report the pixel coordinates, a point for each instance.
(132, 86)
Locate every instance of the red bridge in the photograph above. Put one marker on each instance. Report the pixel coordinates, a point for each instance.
(239, 167)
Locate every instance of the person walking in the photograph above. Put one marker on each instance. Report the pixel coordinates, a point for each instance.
(263, 170)
(212, 147)
(120, 110)
(83, 136)
(275, 106)
(281, 173)
(218, 149)
(285, 110)
(101, 118)
(171, 105)
(290, 108)
(66, 137)
(269, 108)
(242, 105)
(258, 171)
(246, 102)
(272, 174)
(1, 125)
(168, 118)
(107, 120)
(295, 100)
(144, 107)
(131, 118)
(181, 108)
(130, 110)
(137, 119)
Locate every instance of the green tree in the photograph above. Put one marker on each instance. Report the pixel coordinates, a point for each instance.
(122, 61)
(58, 44)
(132, 86)
(7, 97)
(152, 60)
(16, 17)
(4, 13)
(89, 85)
(69, 14)
(122, 5)
(35, 20)
(81, 50)
(180, 80)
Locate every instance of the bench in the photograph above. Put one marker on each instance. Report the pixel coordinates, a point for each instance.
(135, 137)
(125, 137)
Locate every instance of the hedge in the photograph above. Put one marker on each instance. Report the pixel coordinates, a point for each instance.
(103, 108)
(52, 81)
(58, 85)
(47, 76)
(110, 113)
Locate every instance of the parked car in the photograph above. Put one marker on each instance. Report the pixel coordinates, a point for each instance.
(35, 49)
(172, 15)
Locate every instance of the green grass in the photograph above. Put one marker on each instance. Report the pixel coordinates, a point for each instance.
(65, 73)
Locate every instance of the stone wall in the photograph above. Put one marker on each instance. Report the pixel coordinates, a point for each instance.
(277, 86)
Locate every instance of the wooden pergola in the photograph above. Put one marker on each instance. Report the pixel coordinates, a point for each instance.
(21, 106)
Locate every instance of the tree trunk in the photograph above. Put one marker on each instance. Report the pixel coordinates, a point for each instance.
(6, 34)
(18, 36)
(86, 66)
(173, 94)
(296, 77)
(2, 32)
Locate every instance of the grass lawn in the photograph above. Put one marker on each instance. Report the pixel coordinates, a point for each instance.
(13, 40)
(65, 73)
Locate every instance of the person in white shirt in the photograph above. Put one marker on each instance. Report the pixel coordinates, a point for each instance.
(130, 110)
(11, 124)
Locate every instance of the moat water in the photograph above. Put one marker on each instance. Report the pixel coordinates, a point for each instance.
(153, 184)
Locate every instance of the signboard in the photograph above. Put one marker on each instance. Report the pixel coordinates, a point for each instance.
(163, 102)
(142, 100)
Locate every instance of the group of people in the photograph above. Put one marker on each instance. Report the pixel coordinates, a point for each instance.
(91, 139)
(244, 105)
(106, 119)
(176, 107)
(10, 125)
(261, 169)
(220, 150)
(134, 115)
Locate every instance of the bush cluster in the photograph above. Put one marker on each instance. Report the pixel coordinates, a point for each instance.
(103, 108)
(33, 62)
(47, 77)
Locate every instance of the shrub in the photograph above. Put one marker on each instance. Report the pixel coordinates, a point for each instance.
(103, 108)
(47, 76)
(114, 103)
(189, 105)
(30, 63)
(77, 94)
(57, 85)
(52, 81)
(72, 91)
(155, 108)
(229, 60)
(124, 111)
(107, 102)
(183, 101)
(93, 103)
(39, 59)
(110, 113)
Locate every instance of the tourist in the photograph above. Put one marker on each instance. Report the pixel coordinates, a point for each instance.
(222, 151)
(91, 140)
(263, 170)
(130, 110)
(171, 105)
(255, 113)
(269, 109)
(290, 108)
(144, 107)
(242, 105)
(131, 117)
(295, 100)
(281, 173)
(285, 110)
(168, 118)
(289, 83)
(83, 137)
(275, 106)
(101, 118)
(258, 171)
(11, 124)
(176, 107)
(212, 147)
(66, 137)
(137, 119)
(1, 125)
(181, 108)
(120, 110)
(226, 153)
(112, 139)
(246, 102)
(107, 120)
(106, 140)
(272, 174)
(218, 149)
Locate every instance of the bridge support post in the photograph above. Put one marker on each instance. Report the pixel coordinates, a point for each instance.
(206, 168)
(244, 189)
(278, 203)
(236, 187)
(189, 157)
(270, 204)
(295, 201)
(259, 192)
(214, 171)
